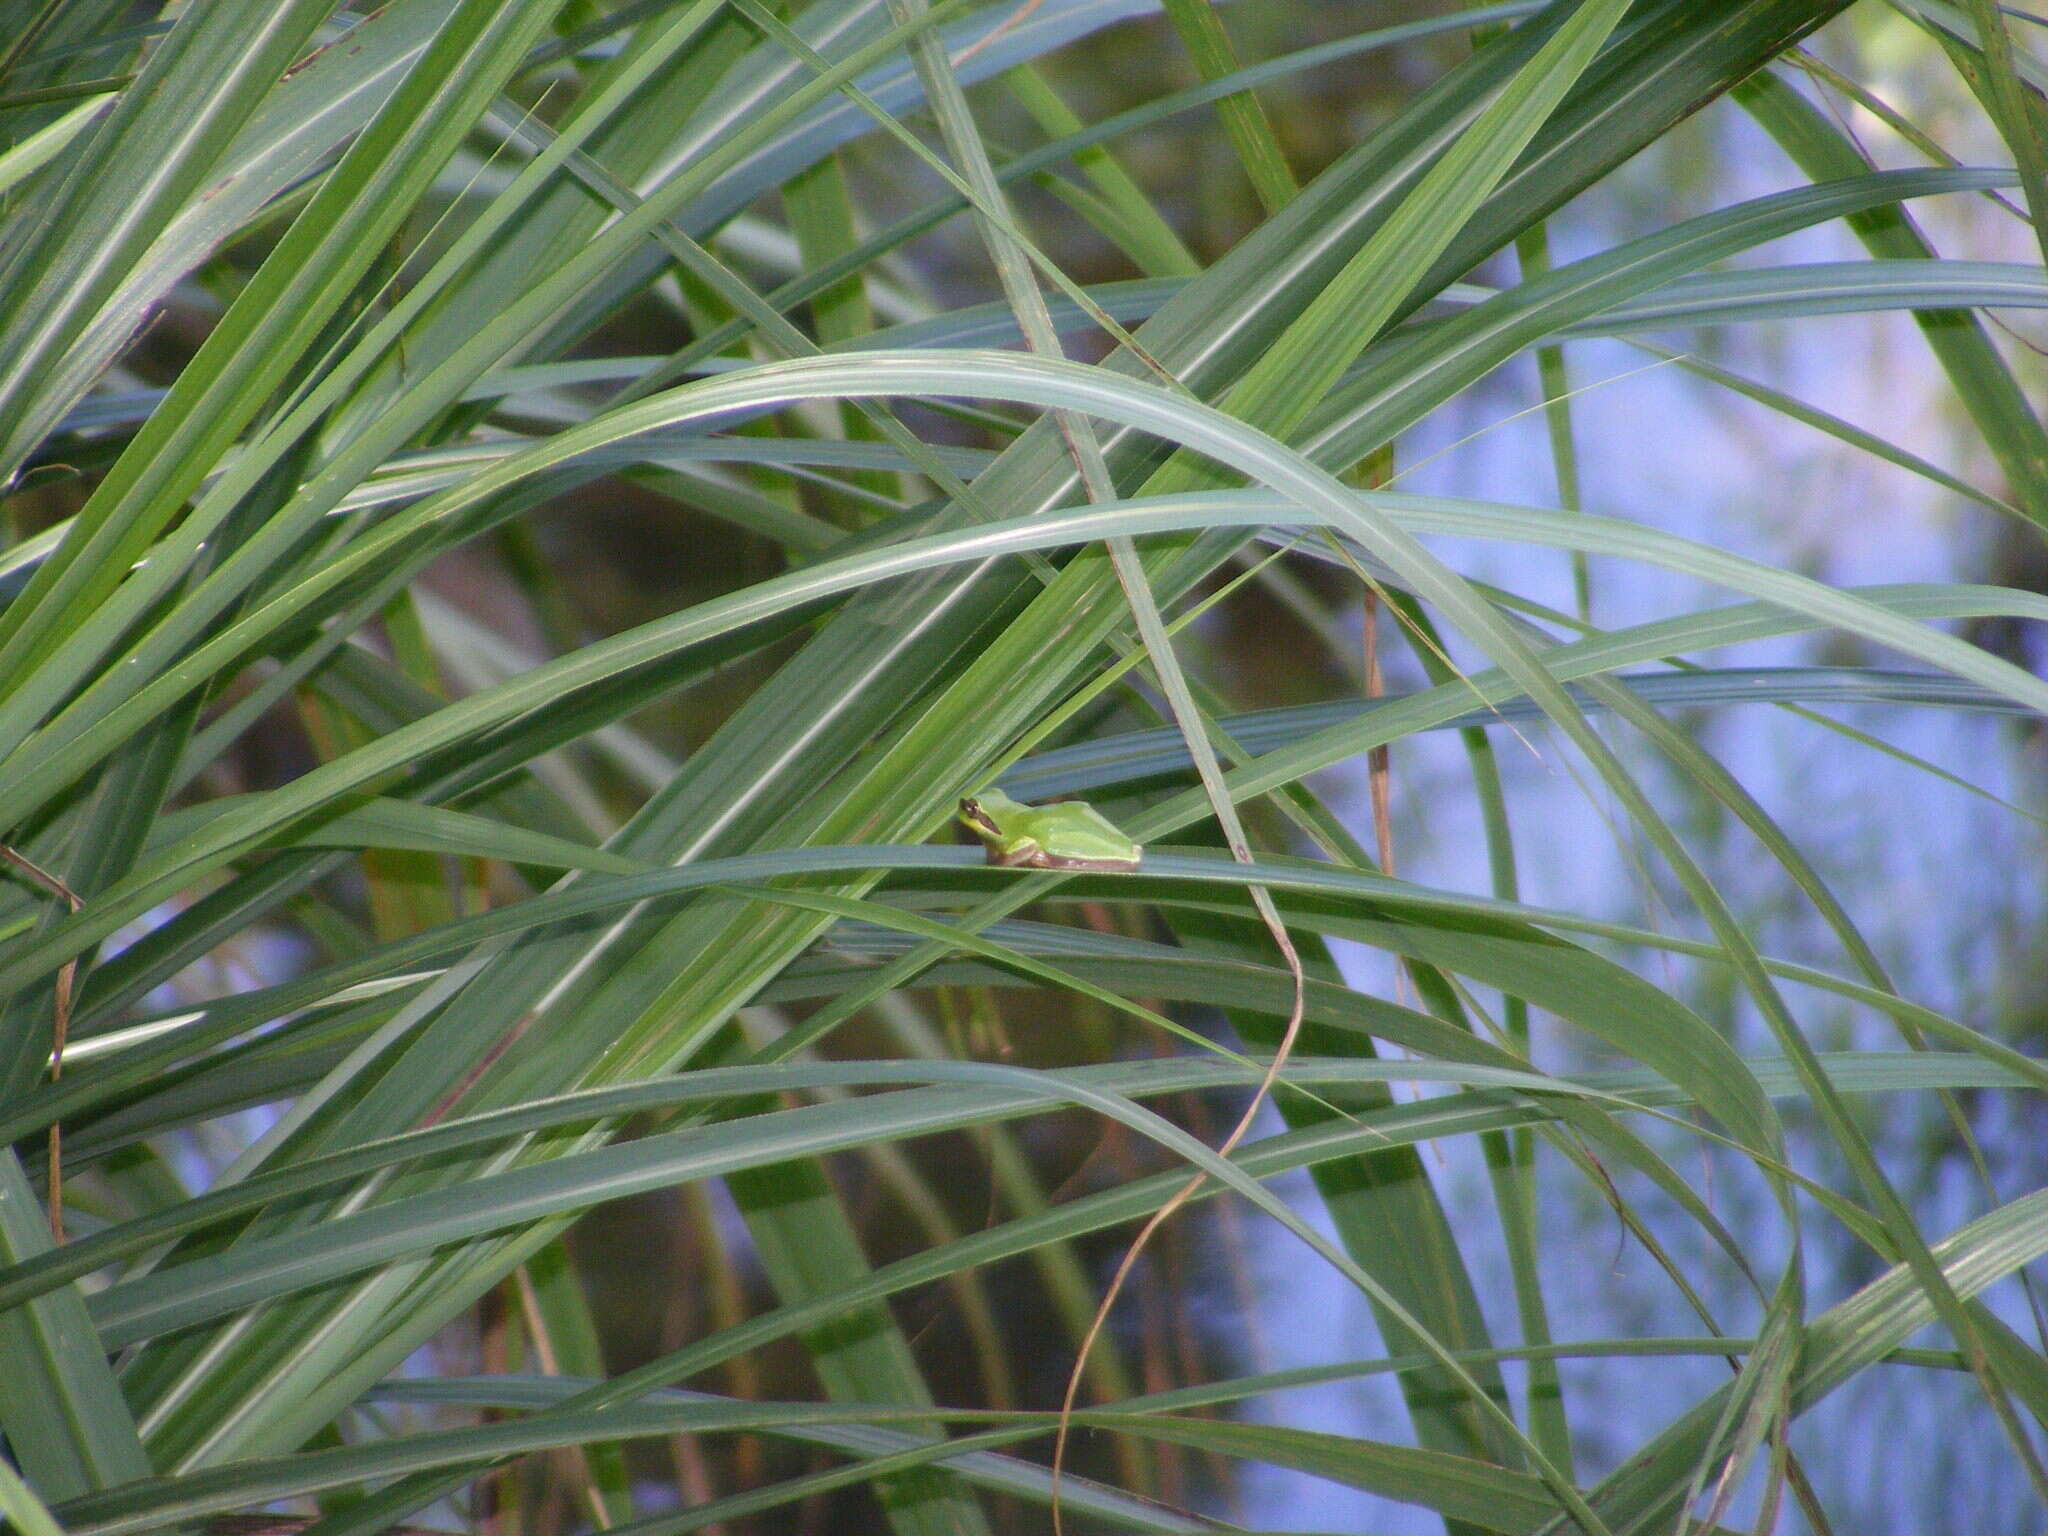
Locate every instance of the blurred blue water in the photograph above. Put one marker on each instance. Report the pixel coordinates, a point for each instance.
(1945, 884)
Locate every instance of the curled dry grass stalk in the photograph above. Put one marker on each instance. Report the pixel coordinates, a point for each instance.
(315, 325)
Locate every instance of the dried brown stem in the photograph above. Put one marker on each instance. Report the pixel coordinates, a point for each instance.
(60, 1027)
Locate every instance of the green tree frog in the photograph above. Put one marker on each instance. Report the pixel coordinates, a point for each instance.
(1073, 835)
